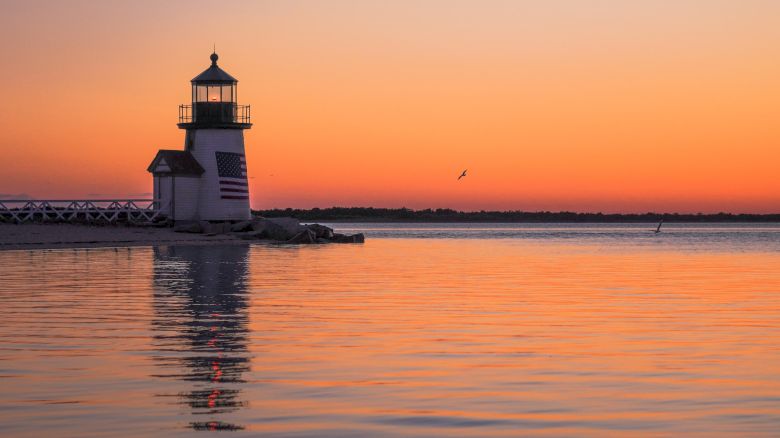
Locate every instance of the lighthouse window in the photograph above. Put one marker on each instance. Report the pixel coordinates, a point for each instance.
(227, 93)
(201, 94)
(214, 93)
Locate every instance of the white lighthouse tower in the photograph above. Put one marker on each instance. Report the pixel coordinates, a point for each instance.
(208, 179)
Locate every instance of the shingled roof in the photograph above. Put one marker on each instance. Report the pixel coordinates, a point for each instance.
(173, 162)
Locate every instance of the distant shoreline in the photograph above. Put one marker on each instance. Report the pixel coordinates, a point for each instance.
(369, 215)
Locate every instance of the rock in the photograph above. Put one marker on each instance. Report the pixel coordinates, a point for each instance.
(291, 225)
(259, 225)
(355, 238)
(250, 235)
(282, 229)
(277, 232)
(215, 228)
(205, 227)
(321, 231)
(187, 227)
(305, 236)
(241, 226)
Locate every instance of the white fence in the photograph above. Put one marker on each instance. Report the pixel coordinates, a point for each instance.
(80, 210)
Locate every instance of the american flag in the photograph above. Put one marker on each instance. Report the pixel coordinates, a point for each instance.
(231, 168)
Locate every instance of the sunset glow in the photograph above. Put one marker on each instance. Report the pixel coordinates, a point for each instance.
(550, 105)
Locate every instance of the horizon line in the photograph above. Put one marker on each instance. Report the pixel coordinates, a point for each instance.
(558, 212)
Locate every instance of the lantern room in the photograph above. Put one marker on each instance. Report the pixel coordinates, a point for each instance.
(214, 101)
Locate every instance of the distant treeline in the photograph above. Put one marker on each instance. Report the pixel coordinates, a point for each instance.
(369, 214)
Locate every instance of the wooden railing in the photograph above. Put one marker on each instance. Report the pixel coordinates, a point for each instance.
(80, 210)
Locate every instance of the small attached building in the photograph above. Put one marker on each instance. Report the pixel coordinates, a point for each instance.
(176, 176)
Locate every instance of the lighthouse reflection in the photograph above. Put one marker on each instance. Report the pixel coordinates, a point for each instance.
(201, 326)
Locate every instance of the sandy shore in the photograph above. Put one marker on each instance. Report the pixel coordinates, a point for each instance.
(46, 236)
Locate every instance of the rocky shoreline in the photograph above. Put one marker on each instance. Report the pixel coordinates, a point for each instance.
(283, 230)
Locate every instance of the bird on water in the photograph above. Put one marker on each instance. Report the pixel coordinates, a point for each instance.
(658, 230)
(462, 175)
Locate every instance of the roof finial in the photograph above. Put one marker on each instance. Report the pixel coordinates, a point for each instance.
(214, 56)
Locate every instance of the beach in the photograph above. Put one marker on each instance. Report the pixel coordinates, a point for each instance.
(51, 236)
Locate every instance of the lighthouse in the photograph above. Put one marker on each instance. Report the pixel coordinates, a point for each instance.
(208, 179)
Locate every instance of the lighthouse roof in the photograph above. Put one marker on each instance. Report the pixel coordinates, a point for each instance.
(214, 74)
(173, 162)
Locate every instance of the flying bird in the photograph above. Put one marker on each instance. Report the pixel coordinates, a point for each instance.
(658, 230)
(462, 175)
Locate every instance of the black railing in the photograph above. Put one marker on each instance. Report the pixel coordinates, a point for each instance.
(215, 112)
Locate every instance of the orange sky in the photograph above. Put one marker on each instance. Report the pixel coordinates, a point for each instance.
(580, 105)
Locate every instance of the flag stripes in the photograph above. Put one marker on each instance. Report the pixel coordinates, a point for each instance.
(231, 168)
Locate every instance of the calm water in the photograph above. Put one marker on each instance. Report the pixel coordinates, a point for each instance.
(425, 330)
